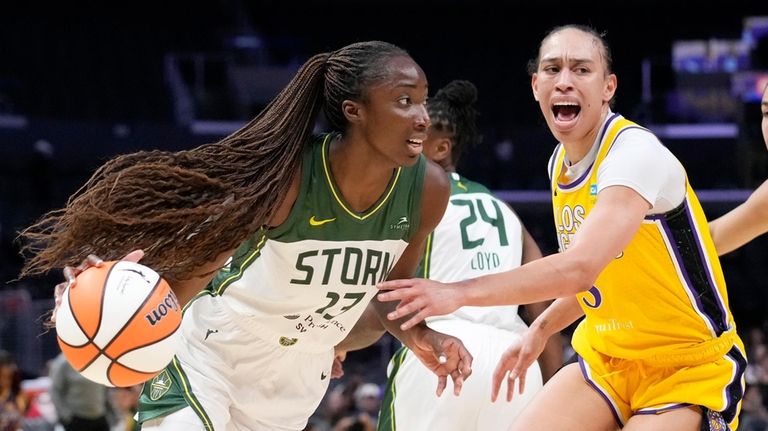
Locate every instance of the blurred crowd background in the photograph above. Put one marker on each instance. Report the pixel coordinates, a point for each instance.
(82, 82)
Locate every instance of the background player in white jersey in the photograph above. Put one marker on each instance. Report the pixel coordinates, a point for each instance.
(301, 229)
(478, 234)
(750, 219)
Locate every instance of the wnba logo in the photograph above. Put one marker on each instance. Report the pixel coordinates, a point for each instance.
(162, 309)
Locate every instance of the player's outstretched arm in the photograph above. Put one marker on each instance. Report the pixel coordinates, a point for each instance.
(514, 363)
(443, 354)
(743, 223)
(551, 359)
(610, 226)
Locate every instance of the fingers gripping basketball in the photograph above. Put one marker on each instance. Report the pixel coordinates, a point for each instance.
(119, 324)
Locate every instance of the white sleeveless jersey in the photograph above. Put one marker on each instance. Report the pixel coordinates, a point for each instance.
(478, 235)
(306, 282)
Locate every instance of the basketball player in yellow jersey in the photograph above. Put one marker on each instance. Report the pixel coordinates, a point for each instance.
(750, 219)
(658, 348)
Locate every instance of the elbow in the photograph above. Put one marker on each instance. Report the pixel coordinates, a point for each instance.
(581, 277)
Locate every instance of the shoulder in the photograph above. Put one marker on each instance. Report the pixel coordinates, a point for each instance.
(461, 184)
(639, 146)
(435, 194)
(435, 179)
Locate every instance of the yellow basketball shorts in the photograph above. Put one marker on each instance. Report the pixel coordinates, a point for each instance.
(632, 387)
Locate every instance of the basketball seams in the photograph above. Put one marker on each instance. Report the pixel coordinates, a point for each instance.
(151, 317)
(90, 338)
(71, 309)
(146, 374)
(103, 300)
(131, 319)
(99, 351)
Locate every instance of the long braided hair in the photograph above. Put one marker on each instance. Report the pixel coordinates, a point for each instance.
(452, 111)
(185, 208)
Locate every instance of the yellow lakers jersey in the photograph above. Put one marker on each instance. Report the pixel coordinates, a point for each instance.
(664, 296)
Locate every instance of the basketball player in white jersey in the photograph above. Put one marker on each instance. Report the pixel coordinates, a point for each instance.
(478, 234)
(297, 229)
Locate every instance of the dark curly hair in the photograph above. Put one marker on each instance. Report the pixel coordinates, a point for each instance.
(452, 110)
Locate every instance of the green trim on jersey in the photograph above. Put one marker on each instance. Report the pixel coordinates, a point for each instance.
(387, 413)
(459, 185)
(337, 194)
(161, 397)
(241, 259)
(320, 212)
(422, 270)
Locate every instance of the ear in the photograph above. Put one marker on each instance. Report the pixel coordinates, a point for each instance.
(353, 111)
(443, 148)
(535, 87)
(610, 87)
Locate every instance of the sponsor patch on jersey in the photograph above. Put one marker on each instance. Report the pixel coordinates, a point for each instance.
(288, 341)
(401, 224)
(593, 190)
(159, 385)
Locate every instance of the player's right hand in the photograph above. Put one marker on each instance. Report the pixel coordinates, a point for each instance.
(337, 370)
(71, 273)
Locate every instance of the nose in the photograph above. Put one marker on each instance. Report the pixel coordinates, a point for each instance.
(422, 118)
(563, 81)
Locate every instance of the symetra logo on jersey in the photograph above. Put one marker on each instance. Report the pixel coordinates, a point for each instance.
(401, 224)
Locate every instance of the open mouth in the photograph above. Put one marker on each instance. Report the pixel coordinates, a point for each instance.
(415, 145)
(566, 111)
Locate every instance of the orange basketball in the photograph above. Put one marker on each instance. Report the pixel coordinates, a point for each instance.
(119, 324)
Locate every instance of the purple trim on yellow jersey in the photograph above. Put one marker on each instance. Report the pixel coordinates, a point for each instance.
(577, 181)
(588, 171)
(587, 373)
(662, 409)
(734, 392)
(699, 285)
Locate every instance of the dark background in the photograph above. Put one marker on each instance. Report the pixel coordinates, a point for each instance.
(105, 61)
(90, 79)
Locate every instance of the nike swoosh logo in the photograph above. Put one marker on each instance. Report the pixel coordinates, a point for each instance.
(313, 222)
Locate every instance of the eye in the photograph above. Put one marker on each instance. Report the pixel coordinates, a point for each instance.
(551, 69)
(404, 100)
(581, 70)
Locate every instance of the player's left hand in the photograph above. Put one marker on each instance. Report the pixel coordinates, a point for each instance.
(421, 297)
(515, 361)
(445, 355)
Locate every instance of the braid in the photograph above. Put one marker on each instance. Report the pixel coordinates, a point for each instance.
(452, 110)
(351, 70)
(184, 208)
